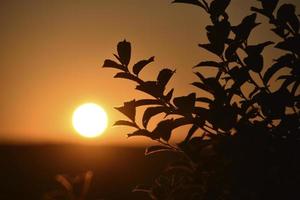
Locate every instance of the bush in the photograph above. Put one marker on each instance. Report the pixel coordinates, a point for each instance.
(243, 140)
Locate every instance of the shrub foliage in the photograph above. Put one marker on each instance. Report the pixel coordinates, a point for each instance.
(243, 140)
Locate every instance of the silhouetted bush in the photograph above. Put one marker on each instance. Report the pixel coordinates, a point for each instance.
(243, 140)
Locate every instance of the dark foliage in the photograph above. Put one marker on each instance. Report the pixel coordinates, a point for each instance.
(245, 143)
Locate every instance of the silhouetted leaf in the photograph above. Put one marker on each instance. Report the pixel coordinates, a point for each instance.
(200, 76)
(230, 53)
(141, 132)
(185, 104)
(202, 112)
(295, 67)
(218, 33)
(202, 86)
(143, 102)
(268, 7)
(257, 49)
(193, 2)
(255, 62)
(204, 99)
(151, 88)
(128, 109)
(125, 123)
(112, 64)
(214, 48)
(291, 44)
(151, 111)
(223, 117)
(283, 61)
(128, 76)
(242, 31)
(124, 52)
(164, 76)
(240, 75)
(286, 14)
(157, 149)
(272, 108)
(217, 8)
(191, 132)
(164, 129)
(215, 87)
(287, 81)
(295, 87)
(137, 67)
(210, 64)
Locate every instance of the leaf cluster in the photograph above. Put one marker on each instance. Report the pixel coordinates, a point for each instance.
(244, 121)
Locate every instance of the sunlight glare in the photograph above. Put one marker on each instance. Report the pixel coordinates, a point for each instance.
(89, 120)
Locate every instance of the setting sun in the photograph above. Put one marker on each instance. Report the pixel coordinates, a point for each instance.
(89, 120)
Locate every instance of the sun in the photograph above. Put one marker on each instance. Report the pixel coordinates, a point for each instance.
(89, 120)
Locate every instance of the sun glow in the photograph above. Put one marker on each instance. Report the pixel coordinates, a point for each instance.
(89, 120)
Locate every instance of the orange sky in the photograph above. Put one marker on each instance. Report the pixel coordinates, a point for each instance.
(51, 53)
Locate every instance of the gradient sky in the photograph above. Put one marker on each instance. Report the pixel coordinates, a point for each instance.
(52, 51)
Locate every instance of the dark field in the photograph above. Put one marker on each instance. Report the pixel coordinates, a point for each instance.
(28, 171)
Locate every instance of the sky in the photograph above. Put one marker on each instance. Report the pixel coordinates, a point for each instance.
(52, 51)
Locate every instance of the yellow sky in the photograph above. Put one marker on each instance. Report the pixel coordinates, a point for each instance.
(51, 54)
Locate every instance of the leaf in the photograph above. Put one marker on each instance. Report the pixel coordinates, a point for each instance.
(185, 104)
(218, 7)
(217, 117)
(214, 85)
(126, 75)
(200, 76)
(152, 111)
(143, 102)
(210, 64)
(240, 75)
(268, 7)
(151, 88)
(295, 87)
(286, 14)
(181, 122)
(255, 62)
(124, 52)
(202, 86)
(128, 109)
(204, 99)
(164, 76)
(112, 64)
(230, 52)
(163, 129)
(193, 2)
(283, 61)
(141, 132)
(216, 49)
(290, 44)
(125, 123)
(257, 49)
(273, 105)
(137, 67)
(157, 149)
(242, 31)
(217, 34)
(287, 81)
(191, 132)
